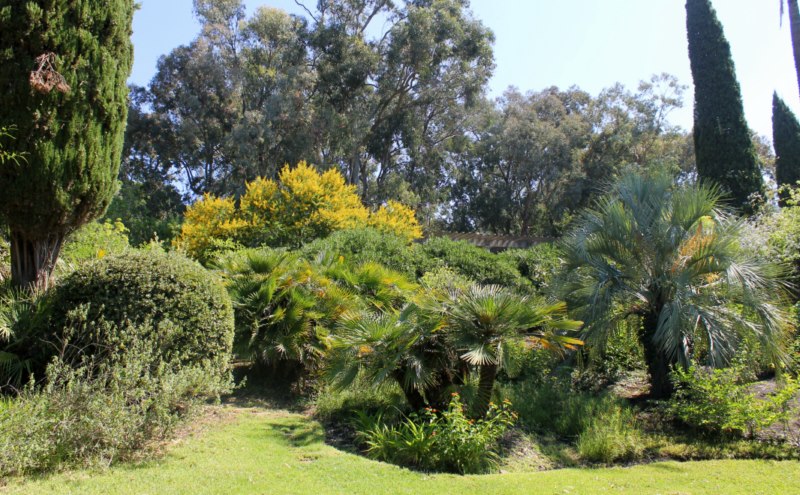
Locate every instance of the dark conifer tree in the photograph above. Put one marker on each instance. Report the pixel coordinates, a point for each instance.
(786, 139)
(65, 64)
(723, 147)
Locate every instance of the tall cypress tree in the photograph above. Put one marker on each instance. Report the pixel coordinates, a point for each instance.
(65, 64)
(786, 139)
(724, 149)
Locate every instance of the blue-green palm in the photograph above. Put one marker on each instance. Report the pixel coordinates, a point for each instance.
(670, 254)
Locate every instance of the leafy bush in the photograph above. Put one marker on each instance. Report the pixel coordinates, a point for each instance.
(611, 436)
(95, 240)
(472, 262)
(93, 415)
(188, 314)
(438, 442)
(717, 401)
(368, 245)
(539, 264)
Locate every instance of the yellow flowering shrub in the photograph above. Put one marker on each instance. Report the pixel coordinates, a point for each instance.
(208, 221)
(396, 218)
(314, 204)
(302, 205)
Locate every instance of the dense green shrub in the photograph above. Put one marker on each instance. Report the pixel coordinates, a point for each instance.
(96, 415)
(188, 314)
(473, 262)
(433, 441)
(719, 401)
(365, 245)
(539, 264)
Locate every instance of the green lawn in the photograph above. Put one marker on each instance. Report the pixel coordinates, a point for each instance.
(251, 451)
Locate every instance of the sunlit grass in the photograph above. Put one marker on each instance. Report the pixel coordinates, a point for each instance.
(276, 452)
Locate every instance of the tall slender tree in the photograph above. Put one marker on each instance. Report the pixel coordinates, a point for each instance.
(63, 85)
(723, 147)
(786, 139)
(794, 26)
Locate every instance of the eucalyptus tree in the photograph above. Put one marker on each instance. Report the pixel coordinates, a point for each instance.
(670, 255)
(535, 159)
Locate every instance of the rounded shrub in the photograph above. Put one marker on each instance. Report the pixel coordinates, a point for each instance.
(162, 298)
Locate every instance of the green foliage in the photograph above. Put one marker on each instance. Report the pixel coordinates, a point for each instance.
(147, 213)
(669, 254)
(786, 140)
(611, 437)
(183, 312)
(360, 397)
(718, 401)
(550, 407)
(539, 264)
(71, 110)
(98, 415)
(723, 147)
(363, 245)
(431, 441)
(20, 325)
(284, 308)
(618, 357)
(473, 262)
(96, 240)
(538, 157)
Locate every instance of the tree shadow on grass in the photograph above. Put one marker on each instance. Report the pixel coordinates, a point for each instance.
(297, 432)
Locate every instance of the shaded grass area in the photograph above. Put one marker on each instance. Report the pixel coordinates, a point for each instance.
(257, 451)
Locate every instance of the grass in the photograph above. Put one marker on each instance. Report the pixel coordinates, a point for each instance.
(257, 451)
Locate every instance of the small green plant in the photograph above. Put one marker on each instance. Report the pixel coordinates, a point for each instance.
(612, 436)
(717, 401)
(438, 441)
(94, 241)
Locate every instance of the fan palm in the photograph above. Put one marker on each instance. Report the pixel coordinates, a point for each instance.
(283, 307)
(408, 347)
(485, 320)
(670, 255)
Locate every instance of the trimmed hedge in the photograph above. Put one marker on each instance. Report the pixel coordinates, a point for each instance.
(172, 302)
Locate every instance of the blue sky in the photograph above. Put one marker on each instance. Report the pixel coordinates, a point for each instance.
(588, 43)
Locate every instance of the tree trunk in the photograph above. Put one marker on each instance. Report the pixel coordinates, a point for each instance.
(488, 374)
(794, 25)
(658, 366)
(33, 260)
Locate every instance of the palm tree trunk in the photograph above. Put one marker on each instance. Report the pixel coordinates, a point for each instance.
(794, 25)
(658, 366)
(488, 374)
